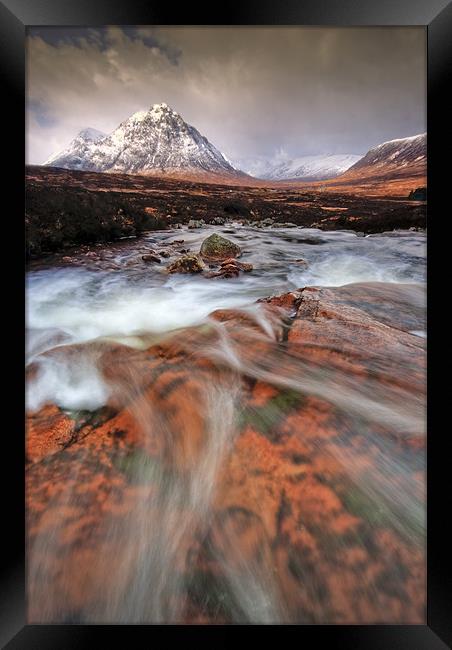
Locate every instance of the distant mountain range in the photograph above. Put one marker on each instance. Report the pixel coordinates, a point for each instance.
(303, 168)
(160, 141)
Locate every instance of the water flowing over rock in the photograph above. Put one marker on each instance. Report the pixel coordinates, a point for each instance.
(216, 248)
(150, 257)
(265, 466)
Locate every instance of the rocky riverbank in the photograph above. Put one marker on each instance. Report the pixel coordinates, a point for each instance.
(70, 208)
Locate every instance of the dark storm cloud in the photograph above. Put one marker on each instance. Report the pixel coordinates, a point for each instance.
(101, 37)
(252, 91)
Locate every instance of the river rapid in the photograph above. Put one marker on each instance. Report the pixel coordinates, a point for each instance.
(111, 295)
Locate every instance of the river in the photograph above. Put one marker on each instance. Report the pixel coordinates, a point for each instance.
(111, 296)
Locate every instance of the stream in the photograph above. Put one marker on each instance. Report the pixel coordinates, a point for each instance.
(111, 297)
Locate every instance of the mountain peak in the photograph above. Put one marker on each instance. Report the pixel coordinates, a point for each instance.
(157, 140)
(91, 135)
(156, 113)
(163, 112)
(159, 108)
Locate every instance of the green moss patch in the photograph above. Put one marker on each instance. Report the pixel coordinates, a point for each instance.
(266, 418)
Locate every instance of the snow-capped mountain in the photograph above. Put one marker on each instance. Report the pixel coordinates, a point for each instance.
(395, 153)
(303, 168)
(75, 155)
(151, 141)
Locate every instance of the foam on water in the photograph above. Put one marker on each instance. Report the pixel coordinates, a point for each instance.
(71, 312)
(75, 305)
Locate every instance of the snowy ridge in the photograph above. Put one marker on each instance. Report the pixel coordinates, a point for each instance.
(159, 140)
(310, 168)
(400, 152)
(147, 141)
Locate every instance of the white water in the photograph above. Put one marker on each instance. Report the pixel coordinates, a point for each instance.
(79, 304)
(139, 304)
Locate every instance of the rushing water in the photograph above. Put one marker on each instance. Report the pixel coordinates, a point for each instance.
(77, 305)
(116, 297)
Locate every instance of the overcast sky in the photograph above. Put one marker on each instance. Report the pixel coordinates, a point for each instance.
(251, 91)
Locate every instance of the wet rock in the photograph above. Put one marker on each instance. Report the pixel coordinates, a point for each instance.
(195, 223)
(230, 268)
(243, 266)
(48, 431)
(164, 254)
(301, 262)
(300, 501)
(218, 248)
(151, 257)
(186, 264)
(218, 221)
(227, 272)
(285, 224)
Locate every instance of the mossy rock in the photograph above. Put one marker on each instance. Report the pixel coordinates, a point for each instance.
(186, 264)
(217, 248)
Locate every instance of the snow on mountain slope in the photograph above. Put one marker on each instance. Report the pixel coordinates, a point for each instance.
(309, 168)
(157, 140)
(74, 156)
(400, 153)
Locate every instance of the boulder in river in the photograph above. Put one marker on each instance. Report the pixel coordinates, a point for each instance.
(217, 248)
(195, 223)
(243, 266)
(230, 268)
(150, 257)
(219, 221)
(186, 264)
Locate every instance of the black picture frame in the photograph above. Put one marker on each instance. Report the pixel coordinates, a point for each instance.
(15, 17)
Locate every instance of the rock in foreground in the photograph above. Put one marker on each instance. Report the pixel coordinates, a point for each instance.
(216, 248)
(278, 478)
